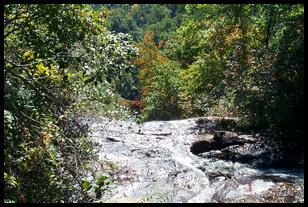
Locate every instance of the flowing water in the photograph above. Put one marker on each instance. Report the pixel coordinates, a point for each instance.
(157, 165)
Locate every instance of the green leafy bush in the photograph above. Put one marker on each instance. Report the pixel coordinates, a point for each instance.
(51, 52)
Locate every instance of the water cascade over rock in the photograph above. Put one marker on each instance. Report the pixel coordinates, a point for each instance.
(192, 160)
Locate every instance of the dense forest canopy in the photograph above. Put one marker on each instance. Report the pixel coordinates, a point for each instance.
(154, 61)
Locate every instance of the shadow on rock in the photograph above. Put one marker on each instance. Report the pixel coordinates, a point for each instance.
(258, 151)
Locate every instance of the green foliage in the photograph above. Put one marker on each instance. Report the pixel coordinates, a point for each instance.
(96, 186)
(139, 19)
(163, 101)
(108, 74)
(120, 21)
(279, 84)
(55, 56)
(239, 55)
(157, 81)
(234, 60)
(62, 63)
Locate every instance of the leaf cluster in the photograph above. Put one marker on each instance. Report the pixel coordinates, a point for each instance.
(52, 54)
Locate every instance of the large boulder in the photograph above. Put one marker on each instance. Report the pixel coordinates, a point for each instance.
(247, 149)
(224, 139)
(221, 140)
(258, 155)
(256, 150)
(201, 146)
(228, 145)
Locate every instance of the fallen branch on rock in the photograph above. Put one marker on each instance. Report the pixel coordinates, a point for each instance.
(114, 139)
(155, 134)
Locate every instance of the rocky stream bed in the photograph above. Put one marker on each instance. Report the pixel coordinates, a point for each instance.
(194, 161)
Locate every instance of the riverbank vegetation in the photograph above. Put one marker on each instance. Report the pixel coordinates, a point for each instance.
(154, 62)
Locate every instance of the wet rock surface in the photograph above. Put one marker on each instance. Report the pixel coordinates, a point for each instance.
(256, 155)
(255, 150)
(191, 160)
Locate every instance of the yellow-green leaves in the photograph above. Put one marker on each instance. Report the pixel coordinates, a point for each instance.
(12, 180)
(28, 55)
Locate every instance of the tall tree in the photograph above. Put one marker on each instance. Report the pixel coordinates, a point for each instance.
(158, 89)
